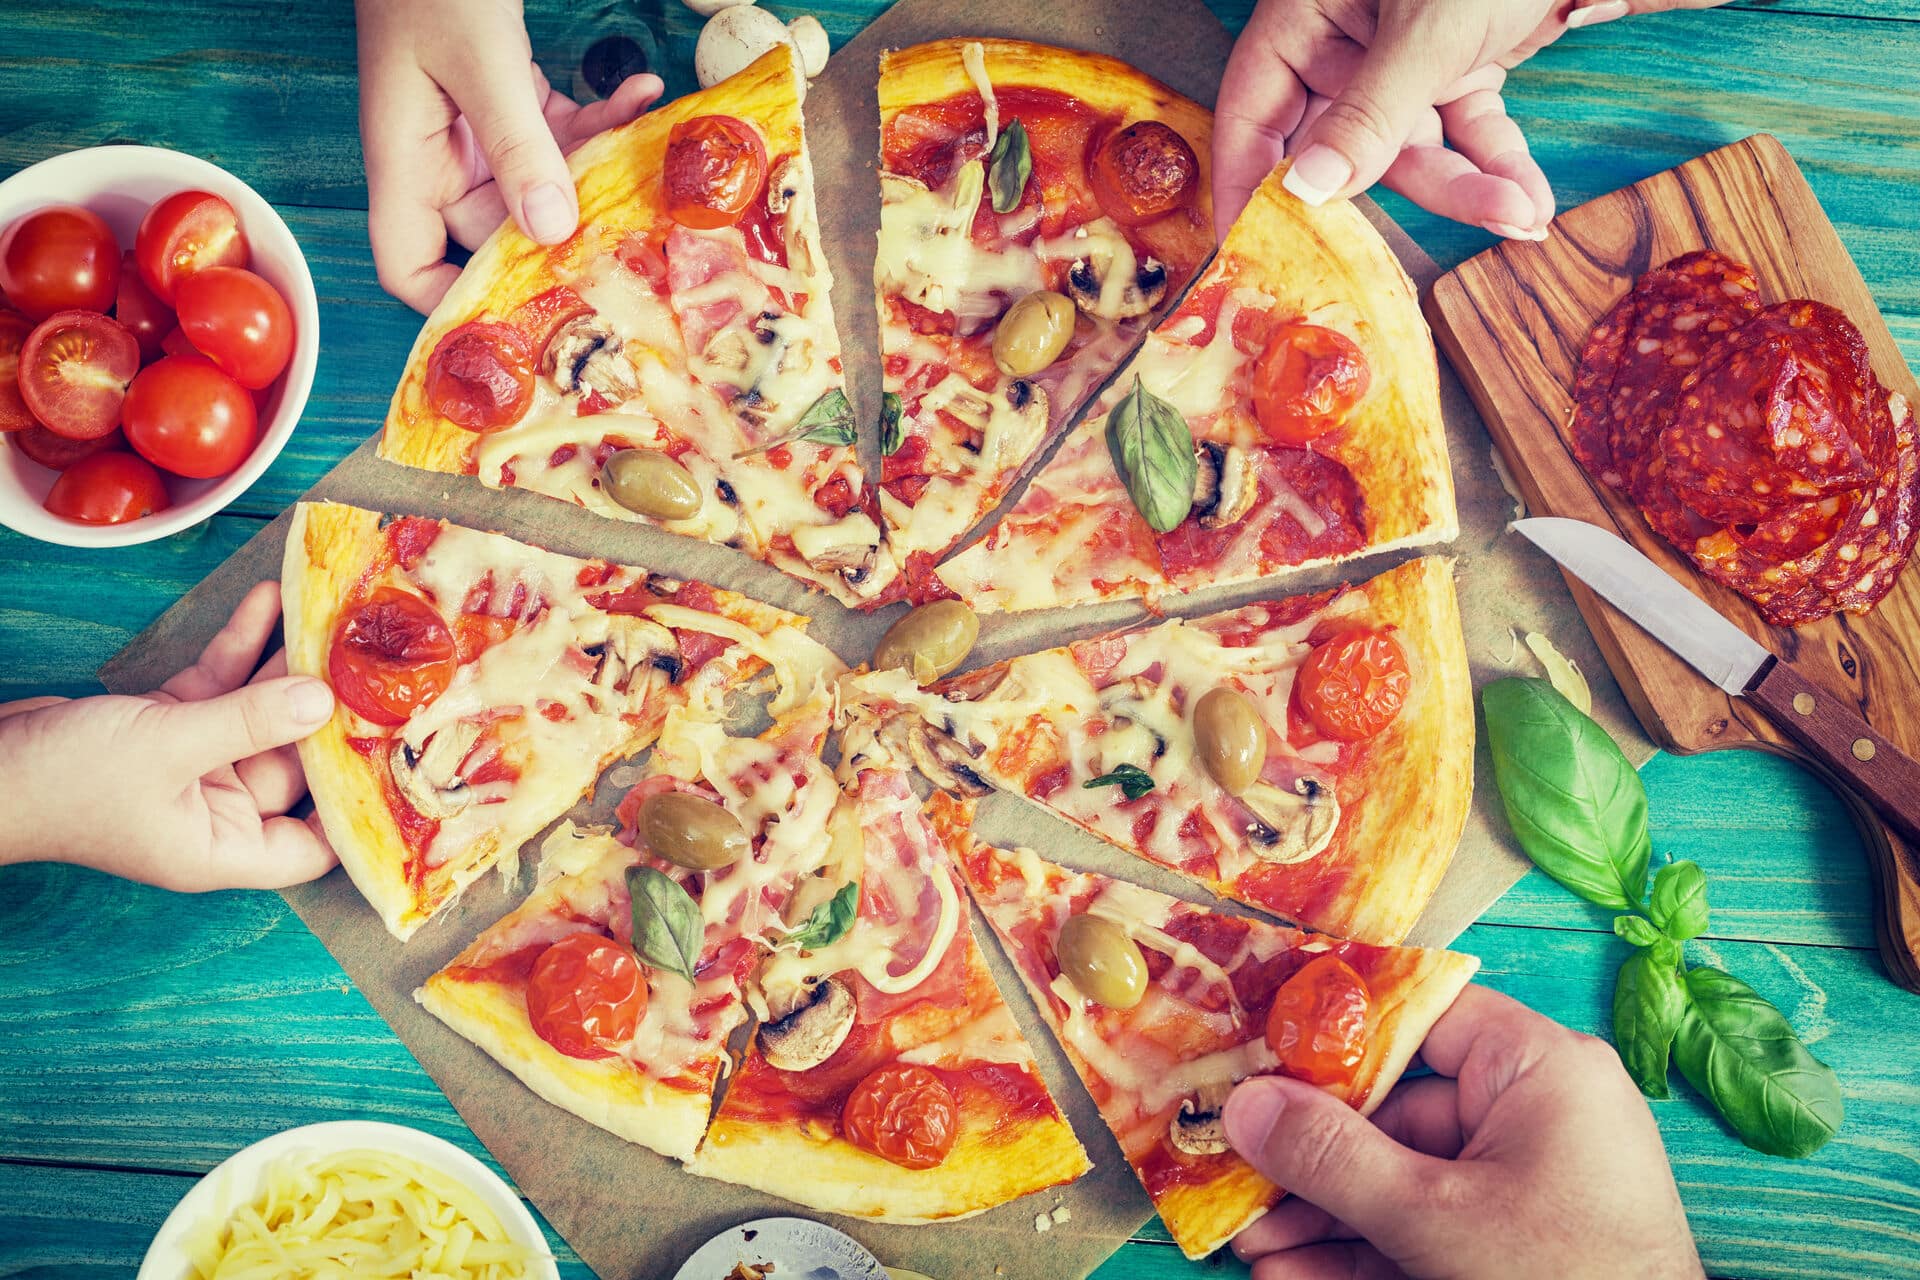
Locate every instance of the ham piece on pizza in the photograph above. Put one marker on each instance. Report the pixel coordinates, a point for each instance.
(675, 361)
(1039, 207)
(481, 685)
(1286, 414)
(1163, 1006)
(1311, 756)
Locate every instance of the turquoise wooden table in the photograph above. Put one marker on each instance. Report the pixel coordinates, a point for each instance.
(144, 1036)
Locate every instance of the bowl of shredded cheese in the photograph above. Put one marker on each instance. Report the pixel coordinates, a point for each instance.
(350, 1197)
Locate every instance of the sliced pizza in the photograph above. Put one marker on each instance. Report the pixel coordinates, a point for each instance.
(674, 361)
(1039, 207)
(1311, 755)
(481, 686)
(612, 990)
(887, 1078)
(1286, 414)
(1163, 1006)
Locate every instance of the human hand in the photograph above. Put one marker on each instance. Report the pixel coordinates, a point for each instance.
(1401, 91)
(461, 129)
(186, 787)
(1530, 1153)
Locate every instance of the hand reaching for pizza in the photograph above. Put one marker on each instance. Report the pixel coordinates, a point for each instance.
(1404, 92)
(460, 129)
(1529, 1153)
(187, 787)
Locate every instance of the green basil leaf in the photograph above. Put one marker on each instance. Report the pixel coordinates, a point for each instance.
(891, 437)
(1152, 449)
(1575, 803)
(1741, 1054)
(668, 930)
(1679, 902)
(1636, 930)
(1009, 166)
(829, 922)
(1131, 779)
(828, 420)
(1649, 1003)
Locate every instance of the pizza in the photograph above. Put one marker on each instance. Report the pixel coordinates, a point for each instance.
(676, 360)
(1163, 1006)
(1039, 207)
(481, 685)
(887, 1078)
(1286, 414)
(1310, 755)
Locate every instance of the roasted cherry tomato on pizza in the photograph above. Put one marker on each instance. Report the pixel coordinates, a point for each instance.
(390, 654)
(187, 231)
(1317, 1026)
(1143, 172)
(1353, 684)
(238, 321)
(716, 168)
(108, 488)
(74, 371)
(183, 414)
(586, 995)
(905, 1114)
(60, 258)
(481, 376)
(1306, 381)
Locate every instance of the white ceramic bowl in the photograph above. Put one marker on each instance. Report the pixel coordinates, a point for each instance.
(119, 184)
(238, 1179)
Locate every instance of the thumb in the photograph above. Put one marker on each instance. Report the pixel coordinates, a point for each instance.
(503, 108)
(204, 736)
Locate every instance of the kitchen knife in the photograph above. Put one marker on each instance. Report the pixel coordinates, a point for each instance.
(1831, 731)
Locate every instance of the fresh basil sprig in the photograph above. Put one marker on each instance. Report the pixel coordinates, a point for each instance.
(891, 437)
(1580, 812)
(668, 930)
(1009, 165)
(829, 922)
(1131, 779)
(1152, 449)
(828, 420)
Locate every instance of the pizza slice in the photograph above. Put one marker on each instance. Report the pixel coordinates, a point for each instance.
(1310, 755)
(1286, 414)
(887, 1078)
(1039, 207)
(612, 990)
(675, 361)
(482, 684)
(1163, 1006)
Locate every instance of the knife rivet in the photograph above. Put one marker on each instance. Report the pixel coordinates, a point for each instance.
(1803, 703)
(1863, 749)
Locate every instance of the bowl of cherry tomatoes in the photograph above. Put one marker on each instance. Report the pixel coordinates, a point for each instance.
(158, 338)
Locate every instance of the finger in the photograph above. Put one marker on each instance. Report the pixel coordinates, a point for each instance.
(21, 706)
(1424, 1114)
(1478, 127)
(1260, 102)
(1482, 1021)
(292, 851)
(199, 737)
(634, 96)
(1336, 1260)
(502, 104)
(1447, 183)
(409, 242)
(230, 656)
(274, 779)
(1288, 1225)
(476, 215)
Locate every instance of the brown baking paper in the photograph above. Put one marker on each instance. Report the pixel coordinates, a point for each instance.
(630, 1213)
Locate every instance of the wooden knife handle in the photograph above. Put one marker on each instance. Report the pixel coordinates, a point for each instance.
(1884, 776)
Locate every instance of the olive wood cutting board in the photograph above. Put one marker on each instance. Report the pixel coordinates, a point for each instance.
(1514, 320)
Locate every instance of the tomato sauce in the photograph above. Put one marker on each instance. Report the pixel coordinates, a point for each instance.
(510, 969)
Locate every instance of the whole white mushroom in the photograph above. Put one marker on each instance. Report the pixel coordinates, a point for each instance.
(810, 38)
(733, 39)
(707, 8)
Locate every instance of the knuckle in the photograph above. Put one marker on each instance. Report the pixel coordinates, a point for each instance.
(1314, 1146)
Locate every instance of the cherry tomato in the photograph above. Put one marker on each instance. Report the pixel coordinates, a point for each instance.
(390, 655)
(716, 168)
(74, 370)
(14, 414)
(1306, 381)
(108, 488)
(147, 318)
(238, 321)
(541, 316)
(905, 1114)
(59, 258)
(1143, 172)
(185, 416)
(182, 234)
(481, 376)
(1353, 685)
(57, 453)
(1318, 1024)
(176, 344)
(586, 995)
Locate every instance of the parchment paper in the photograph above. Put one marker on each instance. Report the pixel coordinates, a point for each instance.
(627, 1212)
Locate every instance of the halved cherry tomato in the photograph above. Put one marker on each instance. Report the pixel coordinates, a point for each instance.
(185, 416)
(60, 258)
(389, 655)
(1317, 1026)
(716, 168)
(541, 316)
(238, 321)
(147, 318)
(74, 370)
(586, 995)
(108, 488)
(1353, 684)
(905, 1114)
(57, 453)
(1143, 172)
(1306, 381)
(481, 376)
(14, 414)
(183, 233)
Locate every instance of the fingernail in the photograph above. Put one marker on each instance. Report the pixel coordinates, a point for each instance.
(1252, 1111)
(1317, 173)
(549, 213)
(1606, 11)
(1512, 232)
(310, 702)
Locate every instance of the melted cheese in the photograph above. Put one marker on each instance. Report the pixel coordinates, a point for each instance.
(1150, 1075)
(994, 1037)
(974, 58)
(1107, 250)
(926, 250)
(804, 667)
